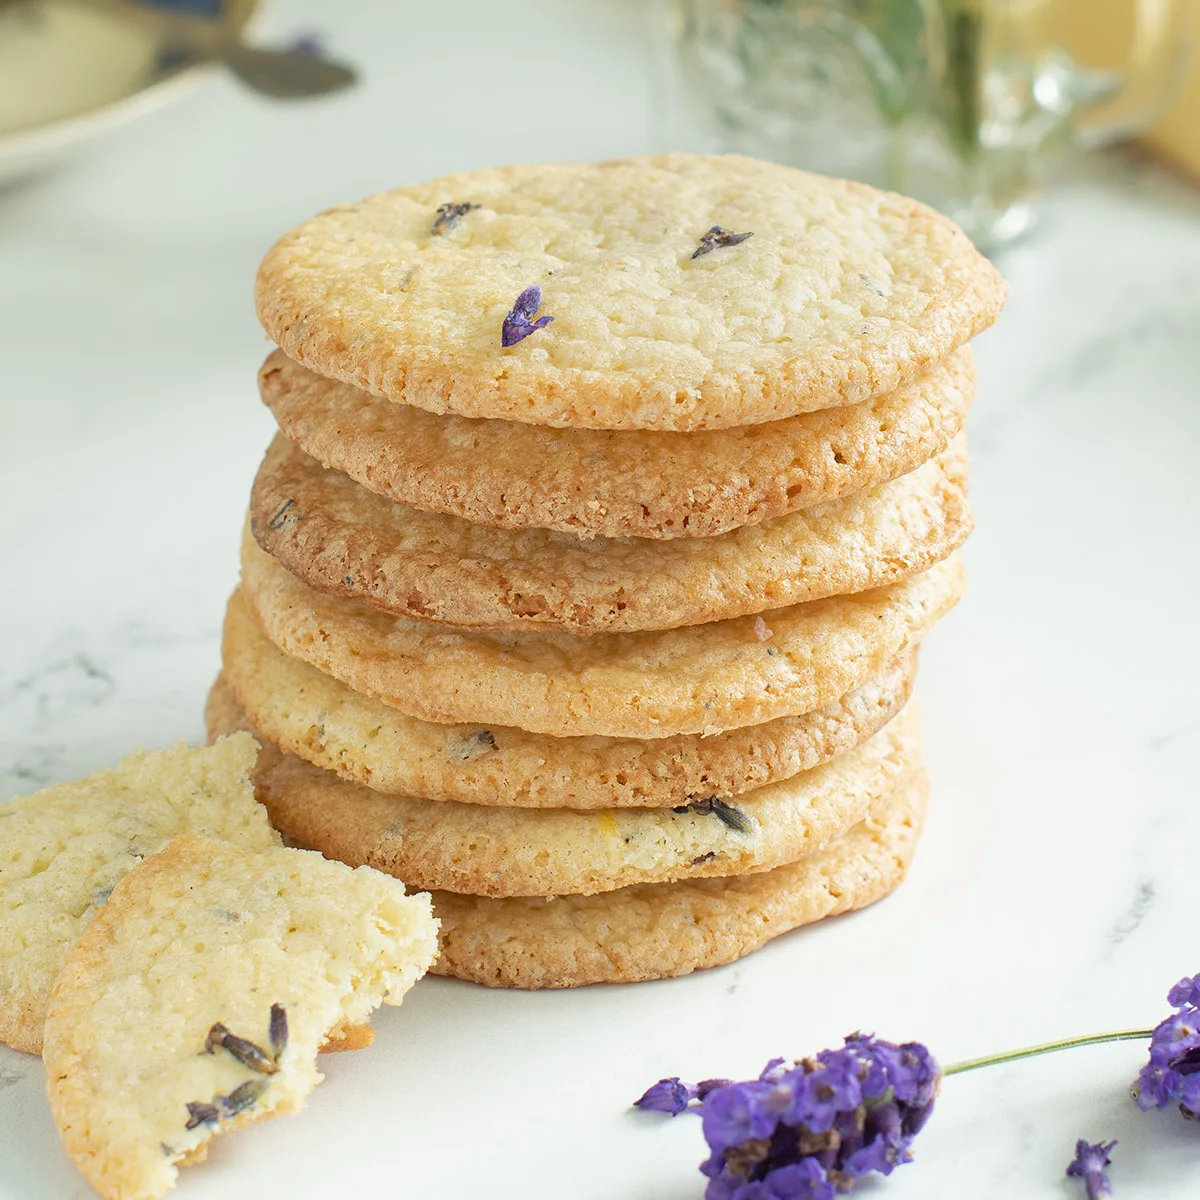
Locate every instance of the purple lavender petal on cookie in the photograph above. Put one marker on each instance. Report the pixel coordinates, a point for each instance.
(517, 325)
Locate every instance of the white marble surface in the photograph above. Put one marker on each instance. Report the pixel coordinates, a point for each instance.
(1056, 890)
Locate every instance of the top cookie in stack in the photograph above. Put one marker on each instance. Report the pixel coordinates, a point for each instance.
(655, 462)
(835, 293)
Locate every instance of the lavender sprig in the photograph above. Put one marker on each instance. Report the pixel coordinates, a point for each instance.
(1090, 1163)
(810, 1130)
(518, 325)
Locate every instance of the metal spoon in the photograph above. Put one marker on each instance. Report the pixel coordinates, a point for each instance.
(283, 74)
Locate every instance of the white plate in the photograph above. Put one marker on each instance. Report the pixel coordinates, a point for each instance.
(70, 71)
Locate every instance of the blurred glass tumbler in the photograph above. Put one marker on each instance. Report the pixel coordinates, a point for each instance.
(956, 102)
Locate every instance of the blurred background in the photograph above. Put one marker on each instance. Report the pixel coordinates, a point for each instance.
(971, 105)
(967, 104)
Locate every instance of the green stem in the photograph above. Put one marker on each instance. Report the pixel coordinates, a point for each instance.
(1095, 1039)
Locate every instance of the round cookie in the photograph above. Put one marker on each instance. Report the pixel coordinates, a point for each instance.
(700, 679)
(342, 539)
(608, 483)
(318, 718)
(197, 999)
(836, 292)
(656, 931)
(496, 851)
(67, 847)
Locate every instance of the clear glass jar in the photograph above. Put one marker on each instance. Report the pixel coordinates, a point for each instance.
(956, 102)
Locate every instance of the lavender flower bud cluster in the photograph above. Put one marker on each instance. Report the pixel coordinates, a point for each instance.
(810, 1131)
(1172, 1076)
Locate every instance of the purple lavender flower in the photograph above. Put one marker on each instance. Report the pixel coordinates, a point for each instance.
(809, 1131)
(1185, 993)
(774, 1071)
(1089, 1164)
(672, 1096)
(667, 1095)
(517, 324)
(717, 237)
(1172, 1076)
(802, 1181)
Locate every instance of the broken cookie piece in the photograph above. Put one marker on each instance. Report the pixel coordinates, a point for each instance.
(66, 848)
(198, 997)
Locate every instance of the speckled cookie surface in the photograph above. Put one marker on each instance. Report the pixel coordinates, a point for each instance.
(841, 292)
(65, 848)
(656, 931)
(342, 539)
(321, 720)
(500, 851)
(204, 937)
(617, 483)
(702, 679)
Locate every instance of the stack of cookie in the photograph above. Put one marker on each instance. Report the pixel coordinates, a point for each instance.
(584, 582)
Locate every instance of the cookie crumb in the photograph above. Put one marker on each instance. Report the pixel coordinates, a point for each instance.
(762, 631)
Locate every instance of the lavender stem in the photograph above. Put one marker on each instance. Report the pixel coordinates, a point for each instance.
(1095, 1039)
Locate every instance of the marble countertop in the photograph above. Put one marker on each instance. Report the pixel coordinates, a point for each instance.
(1056, 886)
